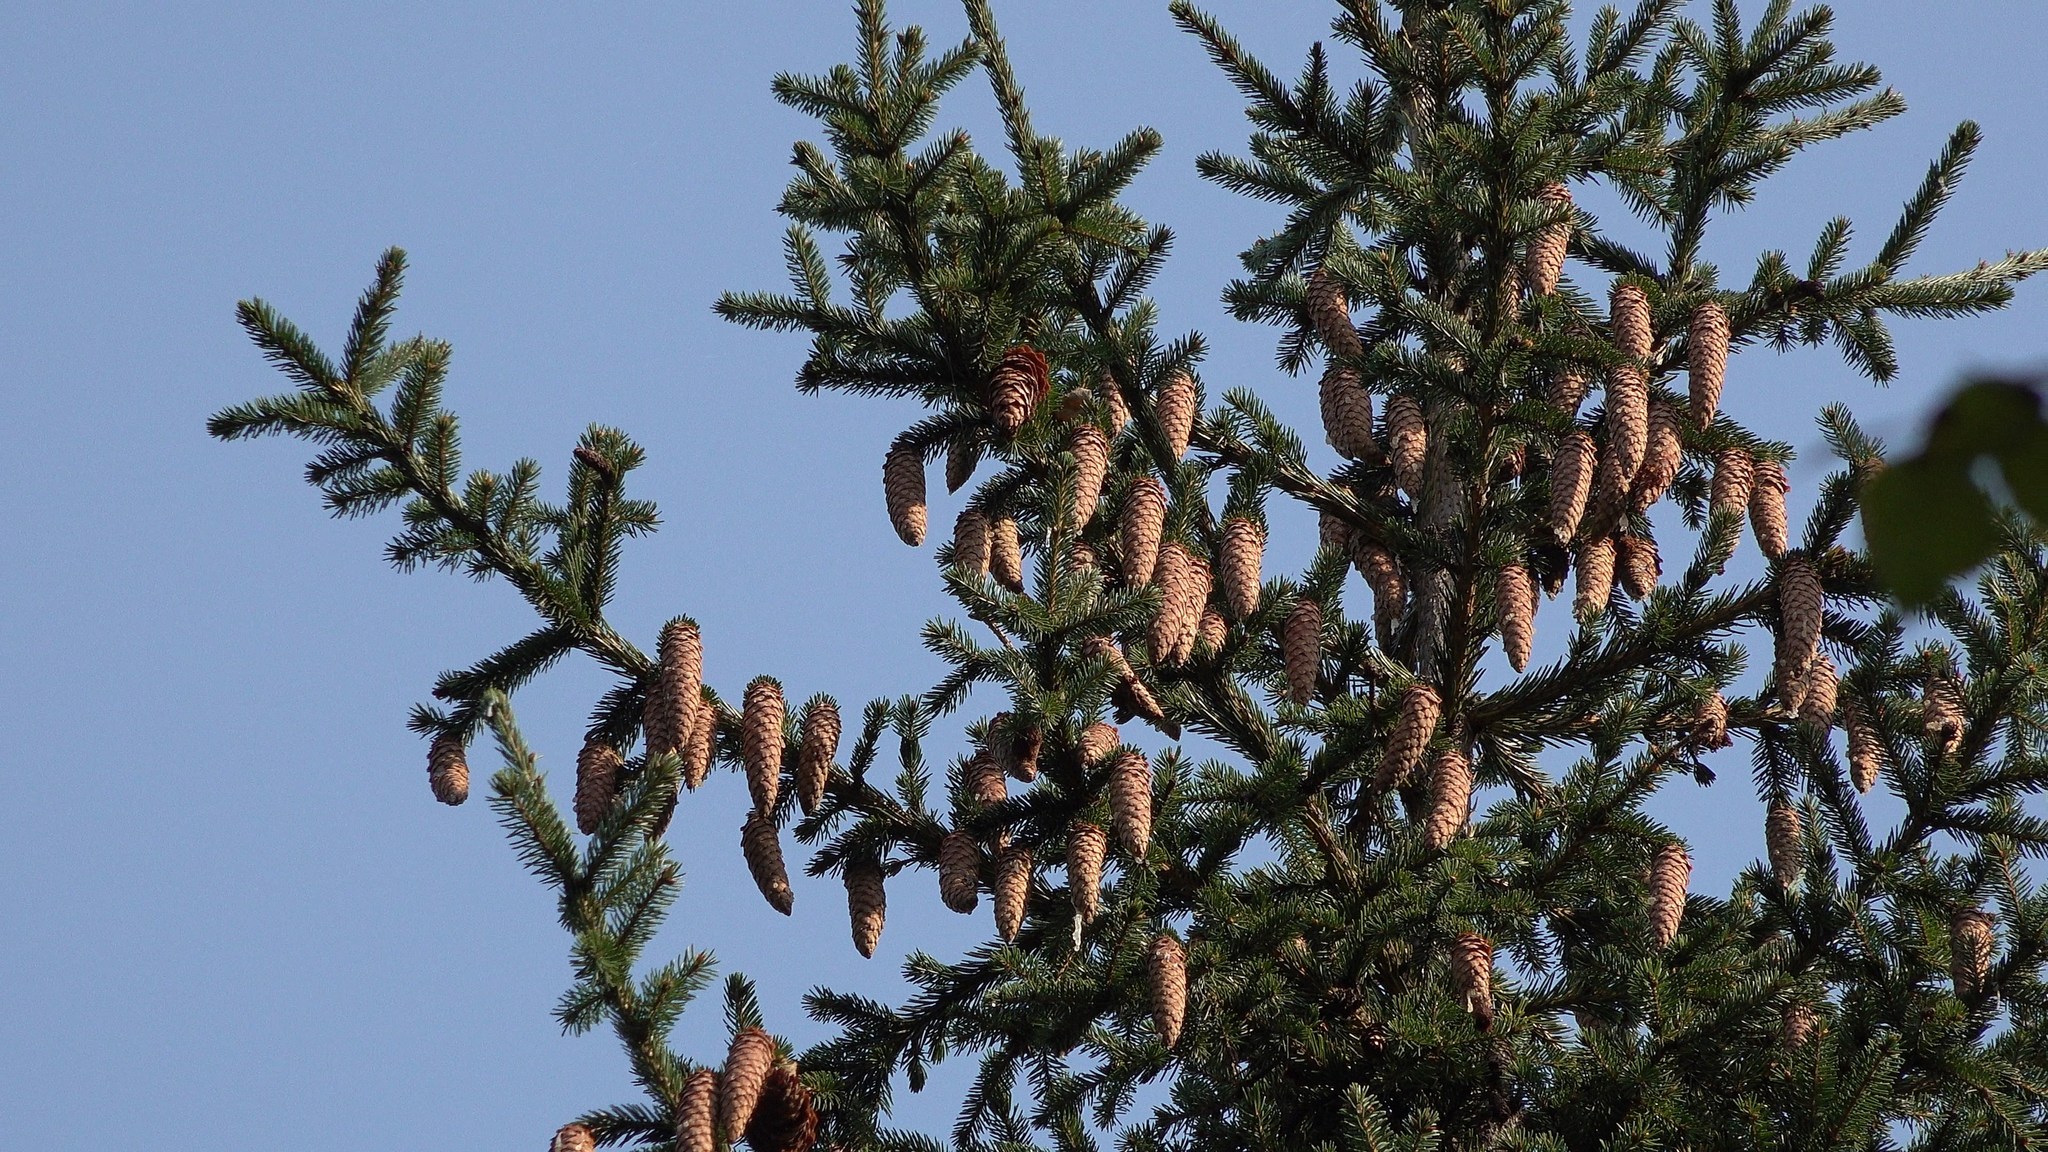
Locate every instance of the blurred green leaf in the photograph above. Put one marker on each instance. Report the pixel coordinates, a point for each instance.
(1988, 418)
(2025, 466)
(1926, 521)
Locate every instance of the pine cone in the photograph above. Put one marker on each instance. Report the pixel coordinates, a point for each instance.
(962, 454)
(1709, 724)
(1167, 963)
(1175, 409)
(1628, 439)
(1640, 566)
(1707, 367)
(1332, 532)
(985, 784)
(1450, 800)
(1866, 750)
(448, 769)
(867, 903)
(1301, 649)
(1595, 564)
(1176, 579)
(1767, 508)
(1798, 1024)
(1130, 802)
(697, 1113)
(903, 490)
(1081, 559)
(1005, 554)
(1012, 889)
(1799, 610)
(1817, 709)
(1139, 529)
(1734, 479)
(1628, 310)
(678, 681)
(1113, 402)
(971, 542)
(1347, 414)
(814, 753)
(597, 784)
(761, 740)
(1193, 603)
(1942, 712)
(1211, 633)
(697, 750)
(1238, 561)
(1407, 443)
(1020, 382)
(1091, 467)
(1567, 390)
(1661, 459)
(1571, 480)
(747, 1064)
(761, 847)
(1472, 975)
(1971, 942)
(1514, 599)
(1097, 742)
(1330, 314)
(1782, 840)
(1545, 262)
(959, 872)
(1670, 872)
(573, 1138)
(1019, 747)
(1130, 689)
(1383, 575)
(786, 1119)
(1407, 743)
(1086, 845)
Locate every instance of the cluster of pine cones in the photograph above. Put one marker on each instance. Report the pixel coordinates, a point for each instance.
(758, 1097)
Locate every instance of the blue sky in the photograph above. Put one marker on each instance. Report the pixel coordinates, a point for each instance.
(233, 909)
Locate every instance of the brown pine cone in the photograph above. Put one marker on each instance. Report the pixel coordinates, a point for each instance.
(1866, 750)
(814, 753)
(1012, 889)
(1175, 409)
(761, 847)
(1670, 872)
(1194, 602)
(985, 784)
(1571, 480)
(971, 542)
(1238, 560)
(448, 769)
(1347, 414)
(1081, 559)
(1021, 750)
(597, 784)
(1514, 600)
(1472, 975)
(1639, 564)
(1167, 964)
(1113, 402)
(1130, 802)
(1139, 529)
(1942, 714)
(1450, 800)
(747, 1064)
(1782, 840)
(1707, 367)
(1595, 565)
(1628, 439)
(573, 1138)
(1021, 380)
(697, 751)
(1409, 741)
(1383, 575)
(1330, 314)
(1545, 261)
(903, 490)
(1211, 633)
(1301, 649)
(1734, 479)
(867, 903)
(1130, 690)
(961, 456)
(1628, 311)
(1798, 1024)
(1087, 844)
(1175, 576)
(1817, 709)
(1091, 467)
(959, 872)
(1407, 443)
(1332, 532)
(1097, 742)
(1661, 459)
(678, 686)
(1971, 941)
(1710, 723)
(697, 1113)
(1800, 601)
(761, 740)
(786, 1119)
(1005, 554)
(1767, 508)
(1567, 390)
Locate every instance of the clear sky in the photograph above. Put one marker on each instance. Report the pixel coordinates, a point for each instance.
(234, 916)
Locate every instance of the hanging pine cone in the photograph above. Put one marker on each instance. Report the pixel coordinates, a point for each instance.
(985, 784)
(573, 1138)
(1087, 844)
(1022, 749)
(903, 490)
(1639, 565)
(761, 740)
(1866, 751)
(1130, 802)
(814, 753)
(597, 784)
(1817, 709)
(1670, 872)
(1628, 438)
(1012, 889)
(1942, 713)
(1238, 561)
(1798, 1024)
(1301, 649)
(1767, 508)
(1595, 564)
(962, 454)
(1661, 459)
(1567, 390)
(1710, 723)
(1347, 414)
(1450, 799)
(1782, 840)
(1734, 479)
(1472, 975)
(1175, 409)
(1175, 578)
(1545, 262)
(1091, 467)
(747, 1064)
(1799, 610)
(448, 769)
(1330, 314)
(786, 1120)
(867, 903)
(1131, 691)
(1407, 443)
(1514, 600)
(1420, 709)
(1383, 575)
(1167, 963)
(1097, 742)
(1211, 633)
(697, 750)
(1081, 559)
(1628, 310)
(1113, 403)
(1020, 382)
(697, 1113)
(761, 847)
(1139, 530)
(971, 542)
(959, 872)
(1332, 533)
(678, 682)
(1571, 480)
(1707, 367)
(1194, 602)
(1005, 554)
(1971, 942)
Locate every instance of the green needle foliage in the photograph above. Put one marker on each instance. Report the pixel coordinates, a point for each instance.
(1873, 986)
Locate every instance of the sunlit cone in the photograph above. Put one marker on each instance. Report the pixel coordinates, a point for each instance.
(820, 743)
(1097, 741)
(1212, 632)
(1670, 872)
(1866, 751)
(1194, 601)
(448, 769)
(1514, 598)
(1020, 752)
(573, 1138)
(1629, 313)
(1020, 381)
(971, 542)
(1175, 409)
(761, 847)
(1238, 561)
(985, 781)
(1139, 529)
(1942, 714)
(1113, 402)
(597, 784)
(1081, 559)
(1087, 844)
(1595, 566)
(1333, 532)
(1637, 562)
(1817, 708)
(1012, 889)
(1707, 366)
(1782, 841)
(1173, 573)
(1130, 802)
(1383, 575)
(903, 489)
(1407, 443)
(786, 1120)
(1767, 508)
(1167, 964)
(1734, 477)
(959, 872)
(1131, 691)
(1005, 554)
(761, 740)
(1420, 709)
(1799, 611)
(697, 750)
(1301, 649)
(1091, 467)
(1571, 480)
(1472, 975)
(1568, 388)
(1798, 1024)
(747, 1063)
(697, 1113)
(1347, 414)
(1628, 438)
(1547, 247)
(1450, 799)
(1970, 942)
(867, 903)
(678, 680)
(1710, 723)
(1330, 313)
(1661, 458)
(962, 455)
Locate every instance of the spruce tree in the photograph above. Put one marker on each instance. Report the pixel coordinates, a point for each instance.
(1414, 899)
